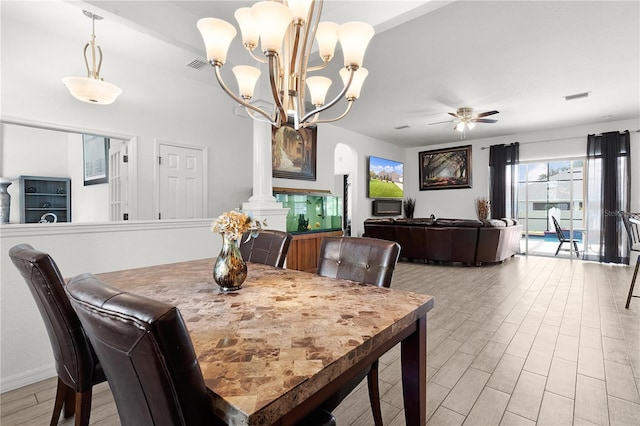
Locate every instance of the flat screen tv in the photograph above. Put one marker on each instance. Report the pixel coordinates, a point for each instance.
(385, 178)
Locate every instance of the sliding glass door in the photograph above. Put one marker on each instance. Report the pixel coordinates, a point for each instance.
(548, 190)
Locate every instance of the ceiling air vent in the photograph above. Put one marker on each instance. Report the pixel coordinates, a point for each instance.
(576, 96)
(196, 64)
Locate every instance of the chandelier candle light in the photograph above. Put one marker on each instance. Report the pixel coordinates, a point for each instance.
(286, 31)
(92, 88)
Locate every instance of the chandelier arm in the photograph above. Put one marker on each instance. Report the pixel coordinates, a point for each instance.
(273, 72)
(237, 98)
(256, 117)
(325, 63)
(86, 61)
(340, 117)
(352, 70)
(257, 58)
(313, 19)
(99, 63)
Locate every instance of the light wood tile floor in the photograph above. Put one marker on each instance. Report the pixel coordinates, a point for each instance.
(534, 340)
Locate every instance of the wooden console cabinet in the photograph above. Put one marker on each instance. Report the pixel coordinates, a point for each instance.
(304, 250)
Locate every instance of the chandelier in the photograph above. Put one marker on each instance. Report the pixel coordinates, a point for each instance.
(287, 30)
(92, 88)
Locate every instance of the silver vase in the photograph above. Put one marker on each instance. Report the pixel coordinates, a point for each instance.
(230, 269)
(5, 201)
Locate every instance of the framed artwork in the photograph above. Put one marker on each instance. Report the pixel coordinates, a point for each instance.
(293, 152)
(95, 155)
(448, 168)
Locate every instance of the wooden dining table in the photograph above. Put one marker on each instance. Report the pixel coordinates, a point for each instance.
(273, 351)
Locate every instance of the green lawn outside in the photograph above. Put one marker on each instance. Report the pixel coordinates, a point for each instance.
(381, 189)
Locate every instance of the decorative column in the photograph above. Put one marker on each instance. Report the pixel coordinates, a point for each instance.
(262, 204)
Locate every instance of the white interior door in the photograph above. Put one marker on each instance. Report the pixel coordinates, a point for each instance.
(181, 182)
(118, 180)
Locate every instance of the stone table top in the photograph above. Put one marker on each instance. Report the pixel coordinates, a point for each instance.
(281, 337)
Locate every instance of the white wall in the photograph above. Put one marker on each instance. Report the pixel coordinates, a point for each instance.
(555, 143)
(153, 106)
(25, 352)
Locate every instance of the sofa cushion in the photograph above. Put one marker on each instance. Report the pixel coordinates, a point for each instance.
(414, 221)
(494, 223)
(462, 223)
(509, 222)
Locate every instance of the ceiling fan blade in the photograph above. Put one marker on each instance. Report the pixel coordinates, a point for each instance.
(484, 120)
(441, 122)
(453, 114)
(484, 114)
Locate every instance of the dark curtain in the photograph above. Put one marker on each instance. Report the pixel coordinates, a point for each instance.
(503, 166)
(608, 189)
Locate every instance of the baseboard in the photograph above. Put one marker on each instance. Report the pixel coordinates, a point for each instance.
(27, 378)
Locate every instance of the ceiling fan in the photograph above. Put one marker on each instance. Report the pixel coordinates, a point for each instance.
(467, 120)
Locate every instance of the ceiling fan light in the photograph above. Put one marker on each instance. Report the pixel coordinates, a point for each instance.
(248, 28)
(90, 90)
(247, 78)
(354, 38)
(273, 20)
(471, 125)
(318, 87)
(327, 37)
(217, 36)
(460, 126)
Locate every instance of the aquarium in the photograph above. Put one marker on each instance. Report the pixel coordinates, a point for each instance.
(311, 212)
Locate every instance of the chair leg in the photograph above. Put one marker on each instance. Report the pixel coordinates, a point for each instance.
(374, 393)
(633, 283)
(69, 403)
(558, 250)
(575, 246)
(61, 394)
(83, 407)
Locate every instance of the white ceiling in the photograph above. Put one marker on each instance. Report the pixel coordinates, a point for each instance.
(427, 58)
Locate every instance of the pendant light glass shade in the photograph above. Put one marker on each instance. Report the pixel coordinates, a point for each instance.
(247, 77)
(217, 35)
(318, 88)
(354, 38)
(356, 85)
(272, 20)
(92, 88)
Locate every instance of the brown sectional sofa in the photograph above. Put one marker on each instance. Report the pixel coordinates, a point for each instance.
(449, 240)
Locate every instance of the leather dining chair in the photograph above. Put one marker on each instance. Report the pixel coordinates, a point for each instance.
(632, 226)
(368, 261)
(269, 247)
(76, 363)
(147, 355)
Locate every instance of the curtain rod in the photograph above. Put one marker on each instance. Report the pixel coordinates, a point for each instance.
(549, 140)
(540, 141)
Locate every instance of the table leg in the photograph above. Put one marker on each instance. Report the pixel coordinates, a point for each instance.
(414, 374)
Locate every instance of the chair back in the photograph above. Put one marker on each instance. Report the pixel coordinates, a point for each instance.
(361, 259)
(632, 226)
(75, 360)
(559, 232)
(269, 247)
(146, 353)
